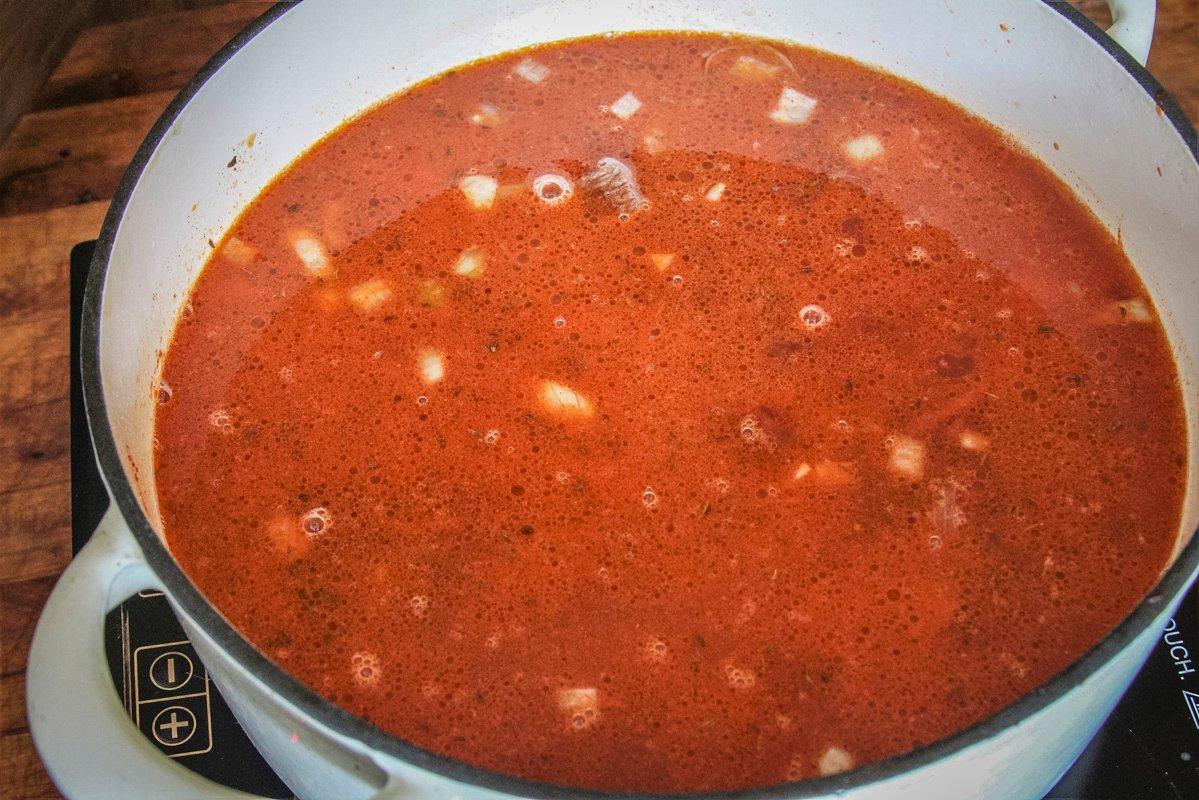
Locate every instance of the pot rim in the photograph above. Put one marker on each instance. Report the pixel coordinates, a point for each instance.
(186, 595)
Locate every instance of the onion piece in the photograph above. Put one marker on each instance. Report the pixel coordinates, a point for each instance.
(974, 441)
(429, 294)
(864, 148)
(615, 180)
(369, 295)
(756, 62)
(714, 193)
(532, 71)
(238, 251)
(581, 705)
(312, 253)
(662, 260)
(470, 263)
(625, 106)
(833, 473)
(835, 760)
(432, 366)
(565, 401)
(486, 116)
(907, 457)
(753, 69)
(654, 142)
(479, 189)
(793, 107)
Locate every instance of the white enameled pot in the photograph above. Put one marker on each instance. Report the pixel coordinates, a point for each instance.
(1046, 75)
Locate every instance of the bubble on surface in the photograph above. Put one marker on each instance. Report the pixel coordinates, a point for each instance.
(316, 521)
(813, 316)
(221, 420)
(740, 677)
(366, 669)
(553, 189)
(649, 499)
(162, 392)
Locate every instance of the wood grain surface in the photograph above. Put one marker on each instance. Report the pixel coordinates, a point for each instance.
(33, 35)
(58, 170)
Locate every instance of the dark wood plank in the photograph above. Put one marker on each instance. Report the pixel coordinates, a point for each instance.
(20, 604)
(45, 510)
(115, 10)
(35, 523)
(143, 55)
(22, 776)
(33, 37)
(75, 154)
(12, 705)
(1174, 57)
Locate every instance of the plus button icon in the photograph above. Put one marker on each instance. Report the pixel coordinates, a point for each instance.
(173, 726)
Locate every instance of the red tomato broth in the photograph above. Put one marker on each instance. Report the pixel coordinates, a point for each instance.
(763, 541)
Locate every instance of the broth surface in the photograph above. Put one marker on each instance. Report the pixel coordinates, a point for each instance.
(839, 426)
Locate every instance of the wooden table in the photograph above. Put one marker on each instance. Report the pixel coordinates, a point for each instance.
(57, 172)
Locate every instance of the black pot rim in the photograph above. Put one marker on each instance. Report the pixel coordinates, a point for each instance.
(188, 598)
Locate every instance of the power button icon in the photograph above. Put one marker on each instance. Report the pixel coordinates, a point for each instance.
(171, 670)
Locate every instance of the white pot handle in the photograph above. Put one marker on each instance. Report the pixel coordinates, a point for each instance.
(1132, 26)
(88, 743)
(86, 740)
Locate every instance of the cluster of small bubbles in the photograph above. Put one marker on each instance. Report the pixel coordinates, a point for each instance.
(934, 542)
(316, 521)
(419, 605)
(562, 476)
(740, 677)
(162, 392)
(657, 650)
(492, 436)
(559, 322)
(649, 498)
(751, 429)
(917, 255)
(676, 279)
(287, 374)
(365, 669)
(720, 484)
(813, 316)
(221, 420)
(420, 401)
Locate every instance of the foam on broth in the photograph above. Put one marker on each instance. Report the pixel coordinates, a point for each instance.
(670, 412)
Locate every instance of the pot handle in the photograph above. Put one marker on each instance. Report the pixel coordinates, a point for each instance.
(86, 740)
(1132, 26)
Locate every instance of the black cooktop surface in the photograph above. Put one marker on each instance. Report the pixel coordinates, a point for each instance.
(1148, 749)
